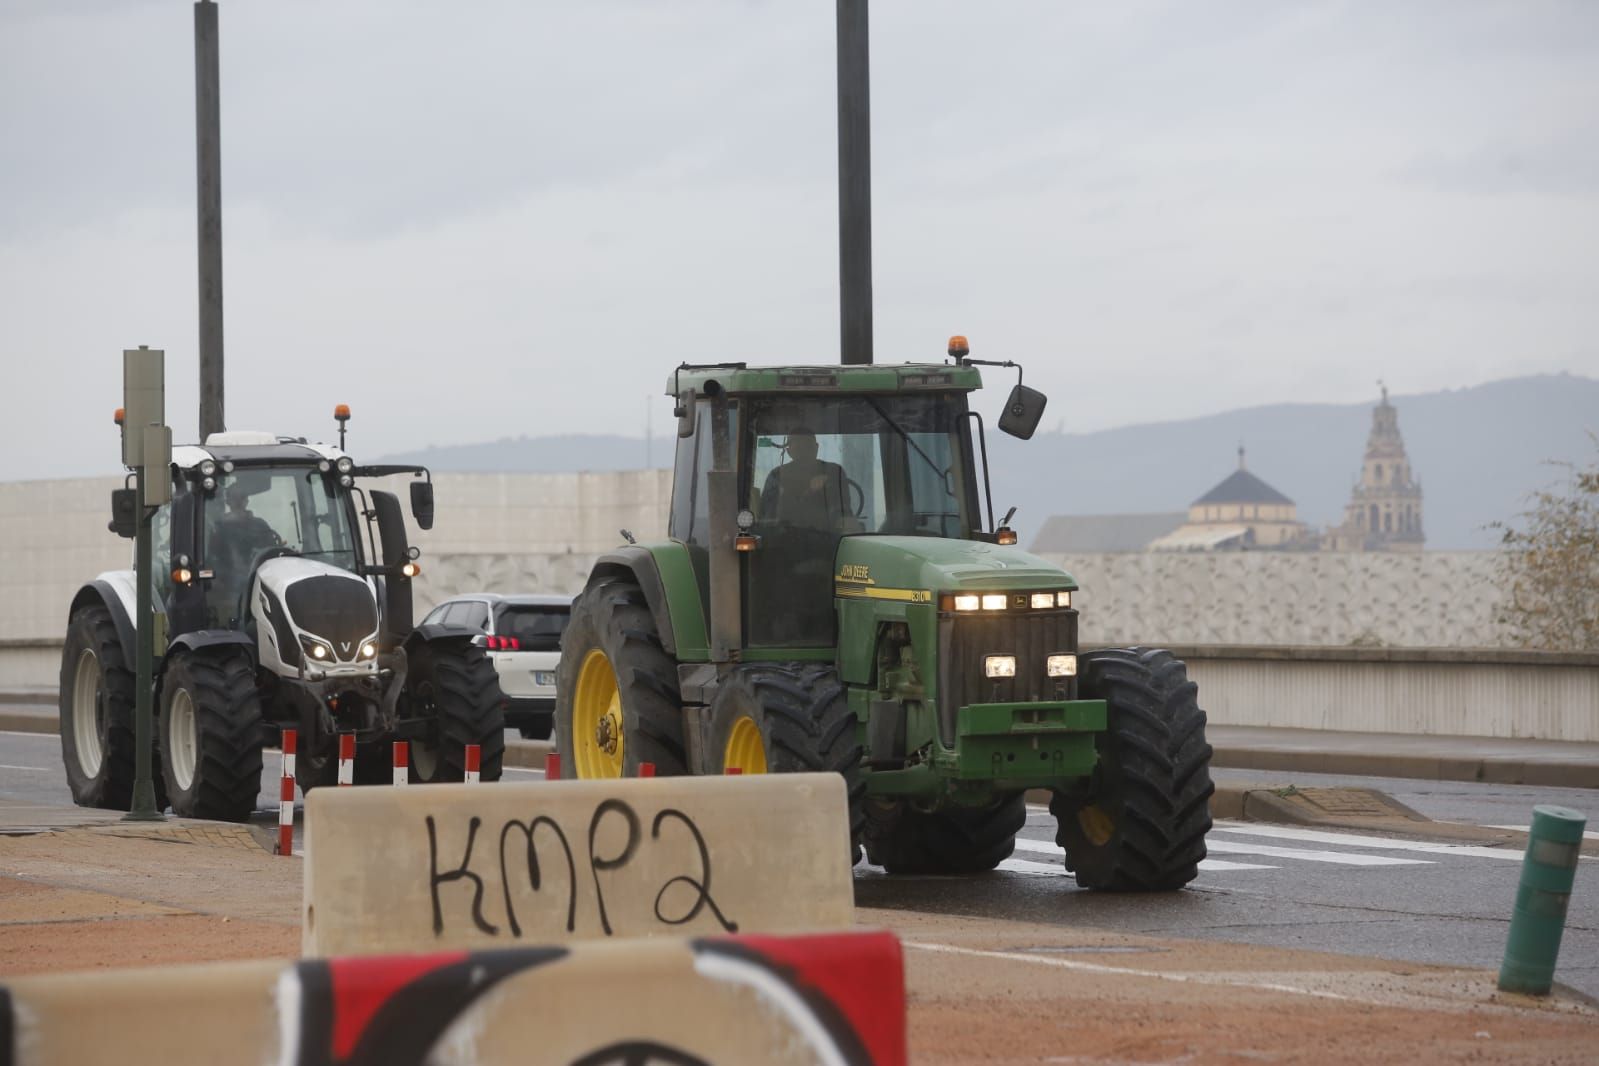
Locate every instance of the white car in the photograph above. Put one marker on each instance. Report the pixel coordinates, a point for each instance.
(523, 638)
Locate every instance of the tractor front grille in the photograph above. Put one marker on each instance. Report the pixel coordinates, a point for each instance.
(1032, 636)
(340, 610)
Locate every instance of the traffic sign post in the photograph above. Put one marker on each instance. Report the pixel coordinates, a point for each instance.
(147, 448)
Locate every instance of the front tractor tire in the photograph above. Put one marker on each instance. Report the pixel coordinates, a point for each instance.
(956, 841)
(96, 714)
(789, 718)
(454, 686)
(617, 702)
(1140, 824)
(211, 736)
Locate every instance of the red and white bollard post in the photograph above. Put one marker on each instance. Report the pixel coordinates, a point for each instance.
(474, 762)
(734, 770)
(346, 759)
(646, 769)
(286, 795)
(402, 763)
(552, 766)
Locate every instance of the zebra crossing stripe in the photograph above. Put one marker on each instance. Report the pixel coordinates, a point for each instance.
(1054, 855)
(1360, 840)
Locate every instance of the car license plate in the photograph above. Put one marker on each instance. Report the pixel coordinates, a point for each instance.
(544, 677)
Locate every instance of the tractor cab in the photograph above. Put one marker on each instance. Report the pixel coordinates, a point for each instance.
(781, 464)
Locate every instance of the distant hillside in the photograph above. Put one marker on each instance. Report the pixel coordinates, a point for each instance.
(1476, 451)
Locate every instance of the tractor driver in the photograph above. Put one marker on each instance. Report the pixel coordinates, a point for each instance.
(234, 539)
(805, 491)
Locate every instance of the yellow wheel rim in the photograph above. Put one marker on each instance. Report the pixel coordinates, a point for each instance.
(1096, 826)
(597, 737)
(745, 749)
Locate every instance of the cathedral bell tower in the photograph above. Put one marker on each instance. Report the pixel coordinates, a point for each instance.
(1384, 510)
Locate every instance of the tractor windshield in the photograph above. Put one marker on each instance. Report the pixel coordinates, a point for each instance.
(255, 510)
(823, 468)
(860, 464)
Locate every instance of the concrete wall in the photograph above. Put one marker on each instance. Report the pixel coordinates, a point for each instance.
(1539, 695)
(1408, 600)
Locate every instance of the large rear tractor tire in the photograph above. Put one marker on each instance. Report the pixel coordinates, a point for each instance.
(96, 712)
(1140, 824)
(617, 702)
(211, 736)
(454, 684)
(789, 718)
(960, 840)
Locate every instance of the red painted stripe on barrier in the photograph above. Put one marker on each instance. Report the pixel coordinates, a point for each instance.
(862, 973)
(474, 757)
(290, 740)
(552, 766)
(286, 790)
(402, 762)
(646, 769)
(346, 759)
(363, 984)
(286, 816)
(734, 771)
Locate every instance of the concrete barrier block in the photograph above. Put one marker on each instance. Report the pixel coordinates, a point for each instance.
(178, 1016)
(835, 999)
(474, 867)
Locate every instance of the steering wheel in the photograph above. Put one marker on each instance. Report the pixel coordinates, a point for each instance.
(858, 509)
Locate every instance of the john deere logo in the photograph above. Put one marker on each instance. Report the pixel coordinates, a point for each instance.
(855, 572)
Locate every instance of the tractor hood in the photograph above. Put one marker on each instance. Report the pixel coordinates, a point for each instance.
(934, 565)
(314, 619)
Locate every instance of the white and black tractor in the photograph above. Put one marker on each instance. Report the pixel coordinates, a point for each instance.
(272, 612)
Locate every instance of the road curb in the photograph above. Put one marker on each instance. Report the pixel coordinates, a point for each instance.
(1485, 770)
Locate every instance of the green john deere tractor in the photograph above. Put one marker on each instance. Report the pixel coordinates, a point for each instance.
(830, 598)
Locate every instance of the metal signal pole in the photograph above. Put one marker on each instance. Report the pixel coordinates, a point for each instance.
(854, 185)
(208, 190)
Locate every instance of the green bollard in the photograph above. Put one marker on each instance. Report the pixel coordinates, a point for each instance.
(1539, 919)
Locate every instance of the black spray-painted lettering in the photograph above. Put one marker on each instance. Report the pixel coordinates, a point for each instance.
(460, 872)
(613, 811)
(528, 829)
(702, 887)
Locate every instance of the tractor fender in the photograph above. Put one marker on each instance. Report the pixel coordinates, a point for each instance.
(437, 633)
(113, 590)
(206, 639)
(653, 567)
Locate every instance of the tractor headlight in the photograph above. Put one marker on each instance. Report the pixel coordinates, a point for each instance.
(1063, 599)
(999, 665)
(1042, 601)
(345, 464)
(324, 466)
(209, 484)
(967, 601)
(316, 649)
(207, 468)
(368, 650)
(345, 481)
(994, 601)
(1061, 666)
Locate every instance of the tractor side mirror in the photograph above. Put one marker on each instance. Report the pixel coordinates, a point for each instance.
(422, 503)
(1024, 408)
(685, 414)
(125, 512)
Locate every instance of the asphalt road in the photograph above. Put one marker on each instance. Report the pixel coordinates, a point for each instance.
(1407, 899)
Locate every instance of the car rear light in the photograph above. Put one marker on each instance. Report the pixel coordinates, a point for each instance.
(503, 643)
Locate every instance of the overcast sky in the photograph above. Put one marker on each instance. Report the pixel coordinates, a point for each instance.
(472, 221)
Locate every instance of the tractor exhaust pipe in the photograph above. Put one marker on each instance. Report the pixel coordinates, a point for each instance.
(854, 185)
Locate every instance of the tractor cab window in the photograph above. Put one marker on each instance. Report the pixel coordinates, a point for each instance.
(823, 468)
(258, 512)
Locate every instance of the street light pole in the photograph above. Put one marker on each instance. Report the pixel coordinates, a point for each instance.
(208, 195)
(854, 185)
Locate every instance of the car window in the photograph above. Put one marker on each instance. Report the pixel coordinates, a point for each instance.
(436, 615)
(476, 616)
(536, 628)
